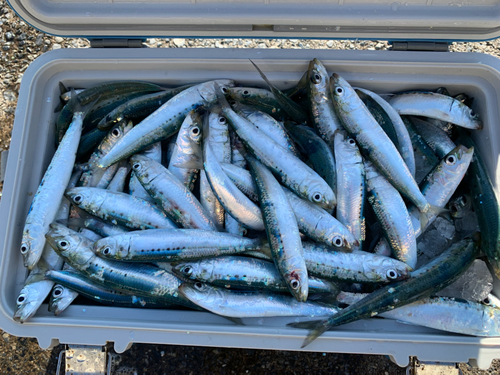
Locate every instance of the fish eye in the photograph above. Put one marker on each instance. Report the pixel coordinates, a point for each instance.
(116, 132)
(339, 91)
(245, 93)
(233, 102)
(295, 284)
(136, 166)
(337, 241)
(317, 197)
(198, 285)
(450, 160)
(195, 130)
(224, 90)
(21, 298)
(392, 275)
(63, 244)
(78, 199)
(57, 292)
(316, 78)
(106, 250)
(222, 120)
(472, 113)
(24, 249)
(351, 142)
(187, 270)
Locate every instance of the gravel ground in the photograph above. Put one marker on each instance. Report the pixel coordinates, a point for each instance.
(20, 44)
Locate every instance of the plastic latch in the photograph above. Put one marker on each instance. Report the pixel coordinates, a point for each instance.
(417, 367)
(420, 46)
(83, 359)
(117, 43)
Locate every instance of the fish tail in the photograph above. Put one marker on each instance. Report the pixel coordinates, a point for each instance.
(427, 216)
(316, 328)
(78, 107)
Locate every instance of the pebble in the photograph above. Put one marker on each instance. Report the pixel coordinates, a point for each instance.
(179, 42)
(329, 44)
(56, 46)
(9, 35)
(5, 47)
(58, 39)
(39, 39)
(9, 96)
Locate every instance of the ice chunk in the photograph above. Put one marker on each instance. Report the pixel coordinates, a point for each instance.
(467, 224)
(430, 245)
(445, 228)
(474, 285)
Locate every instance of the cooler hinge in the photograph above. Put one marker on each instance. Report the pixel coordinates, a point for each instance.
(116, 43)
(420, 46)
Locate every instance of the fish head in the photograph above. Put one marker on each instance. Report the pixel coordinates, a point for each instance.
(114, 247)
(185, 269)
(458, 159)
(343, 94)
(89, 199)
(318, 192)
(297, 281)
(60, 299)
(346, 148)
(30, 299)
(470, 117)
(201, 294)
(141, 165)
(75, 249)
(195, 270)
(207, 90)
(342, 239)
(122, 127)
(32, 245)
(194, 130)
(318, 76)
(391, 270)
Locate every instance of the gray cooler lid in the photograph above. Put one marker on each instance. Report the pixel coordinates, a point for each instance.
(437, 20)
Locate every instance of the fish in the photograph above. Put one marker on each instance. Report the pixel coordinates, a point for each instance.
(176, 200)
(50, 192)
(245, 273)
(173, 244)
(282, 230)
(119, 208)
(351, 186)
(241, 304)
(437, 106)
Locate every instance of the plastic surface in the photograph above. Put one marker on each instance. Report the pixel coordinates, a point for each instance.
(32, 147)
(450, 20)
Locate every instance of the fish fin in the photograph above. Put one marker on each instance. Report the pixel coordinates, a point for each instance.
(432, 212)
(292, 108)
(62, 89)
(316, 328)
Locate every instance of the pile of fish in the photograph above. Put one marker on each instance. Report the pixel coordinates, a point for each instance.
(247, 202)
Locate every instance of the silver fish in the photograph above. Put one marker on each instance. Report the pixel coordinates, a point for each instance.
(231, 198)
(172, 195)
(282, 230)
(173, 244)
(49, 194)
(438, 106)
(119, 208)
(351, 188)
(250, 304)
(187, 149)
(358, 266)
(393, 216)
